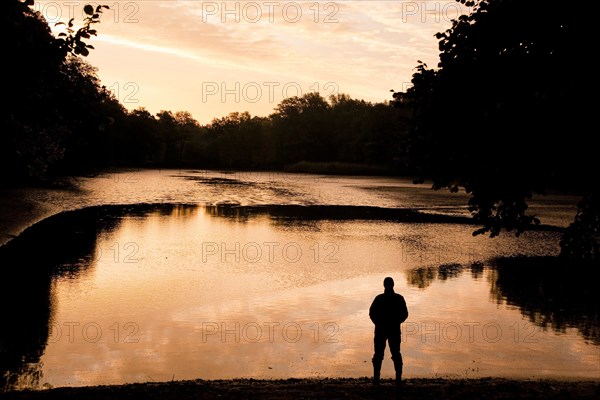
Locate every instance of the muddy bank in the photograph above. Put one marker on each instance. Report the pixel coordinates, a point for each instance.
(360, 388)
(21, 207)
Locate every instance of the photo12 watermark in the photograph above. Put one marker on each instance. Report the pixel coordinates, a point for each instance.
(93, 332)
(269, 332)
(469, 332)
(119, 253)
(129, 177)
(126, 12)
(125, 93)
(432, 11)
(270, 252)
(270, 91)
(252, 12)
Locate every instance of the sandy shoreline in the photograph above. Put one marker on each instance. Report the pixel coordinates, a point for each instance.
(339, 388)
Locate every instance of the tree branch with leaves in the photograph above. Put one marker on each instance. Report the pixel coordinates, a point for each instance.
(505, 116)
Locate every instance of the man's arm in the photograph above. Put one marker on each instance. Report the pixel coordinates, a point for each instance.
(373, 311)
(403, 310)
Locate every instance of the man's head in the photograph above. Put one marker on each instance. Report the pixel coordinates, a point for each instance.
(388, 283)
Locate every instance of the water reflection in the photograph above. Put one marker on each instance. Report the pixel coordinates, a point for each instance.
(63, 246)
(175, 276)
(26, 310)
(58, 246)
(550, 292)
(423, 277)
(334, 212)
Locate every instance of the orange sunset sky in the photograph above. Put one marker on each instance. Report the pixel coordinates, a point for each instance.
(215, 57)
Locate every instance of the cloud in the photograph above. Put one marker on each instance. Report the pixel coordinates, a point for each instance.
(365, 48)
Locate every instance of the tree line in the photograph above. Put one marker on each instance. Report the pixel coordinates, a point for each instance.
(309, 129)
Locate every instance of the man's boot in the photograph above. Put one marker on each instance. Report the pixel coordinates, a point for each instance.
(398, 367)
(376, 371)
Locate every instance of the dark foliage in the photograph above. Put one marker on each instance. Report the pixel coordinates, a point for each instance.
(55, 107)
(505, 115)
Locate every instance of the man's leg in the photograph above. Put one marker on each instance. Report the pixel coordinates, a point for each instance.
(396, 356)
(379, 342)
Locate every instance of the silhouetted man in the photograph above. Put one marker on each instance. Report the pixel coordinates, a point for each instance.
(387, 312)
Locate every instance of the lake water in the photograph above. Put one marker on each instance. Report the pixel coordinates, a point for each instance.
(203, 274)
